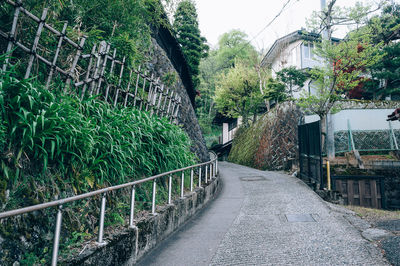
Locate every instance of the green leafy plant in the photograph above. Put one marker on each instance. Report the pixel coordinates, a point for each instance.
(57, 146)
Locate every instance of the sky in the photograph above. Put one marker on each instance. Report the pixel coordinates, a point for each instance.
(251, 16)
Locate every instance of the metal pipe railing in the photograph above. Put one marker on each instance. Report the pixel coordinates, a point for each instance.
(60, 203)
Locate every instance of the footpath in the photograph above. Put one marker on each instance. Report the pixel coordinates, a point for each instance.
(267, 218)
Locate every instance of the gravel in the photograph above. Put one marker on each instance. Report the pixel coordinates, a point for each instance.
(391, 246)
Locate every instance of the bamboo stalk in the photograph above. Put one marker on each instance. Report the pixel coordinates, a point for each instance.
(35, 43)
(53, 64)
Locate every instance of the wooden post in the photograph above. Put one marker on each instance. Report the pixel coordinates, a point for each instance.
(75, 62)
(104, 54)
(11, 36)
(89, 69)
(328, 174)
(136, 87)
(35, 43)
(111, 73)
(53, 63)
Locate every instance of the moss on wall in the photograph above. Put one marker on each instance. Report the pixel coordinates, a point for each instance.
(271, 142)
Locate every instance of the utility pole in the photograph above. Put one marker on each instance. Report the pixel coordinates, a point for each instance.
(325, 30)
(326, 34)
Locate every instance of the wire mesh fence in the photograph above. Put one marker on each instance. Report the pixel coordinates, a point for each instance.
(367, 140)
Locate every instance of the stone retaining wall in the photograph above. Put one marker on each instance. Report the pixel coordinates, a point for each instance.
(161, 65)
(128, 246)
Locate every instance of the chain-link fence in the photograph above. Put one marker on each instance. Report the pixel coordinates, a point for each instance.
(367, 140)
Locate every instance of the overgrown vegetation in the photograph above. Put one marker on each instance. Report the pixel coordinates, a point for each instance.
(54, 146)
(271, 142)
(126, 24)
(186, 27)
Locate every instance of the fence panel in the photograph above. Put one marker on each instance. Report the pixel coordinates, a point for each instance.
(310, 153)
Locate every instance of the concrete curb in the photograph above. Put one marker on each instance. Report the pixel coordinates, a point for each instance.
(129, 245)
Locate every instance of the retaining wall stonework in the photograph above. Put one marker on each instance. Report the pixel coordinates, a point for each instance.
(129, 245)
(161, 65)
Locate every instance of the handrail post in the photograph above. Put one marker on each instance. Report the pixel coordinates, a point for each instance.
(216, 166)
(211, 171)
(191, 180)
(182, 183)
(170, 189)
(153, 205)
(199, 176)
(57, 236)
(100, 240)
(205, 180)
(132, 213)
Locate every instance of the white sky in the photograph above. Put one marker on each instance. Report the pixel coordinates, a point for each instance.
(251, 16)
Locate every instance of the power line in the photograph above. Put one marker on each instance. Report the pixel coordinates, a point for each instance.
(258, 34)
(269, 24)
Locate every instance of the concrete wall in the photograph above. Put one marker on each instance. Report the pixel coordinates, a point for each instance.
(126, 247)
(360, 119)
(225, 133)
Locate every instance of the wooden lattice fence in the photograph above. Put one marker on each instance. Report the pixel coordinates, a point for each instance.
(99, 73)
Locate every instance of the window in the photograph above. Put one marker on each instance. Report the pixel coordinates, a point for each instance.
(308, 50)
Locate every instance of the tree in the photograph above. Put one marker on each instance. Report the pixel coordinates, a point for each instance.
(233, 46)
(275, 90)
(332, 16)
(292, 77)
(388, 71)
(237, 93)
(344, 65)
(386, 28)
(187, 32)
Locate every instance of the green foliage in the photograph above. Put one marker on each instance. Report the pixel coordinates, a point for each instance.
(333, 16)
(275, 90)
(246, 143)
(385, 28)
(237, 93)
(57, 146)
(387, 69)
(89, 143)
(292, 78)
(124, 23)
(233, 46)
(342, 69)
(187, 31)
(169, 79)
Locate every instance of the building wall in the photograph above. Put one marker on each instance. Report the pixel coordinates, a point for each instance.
(360, 119)
(290, 56)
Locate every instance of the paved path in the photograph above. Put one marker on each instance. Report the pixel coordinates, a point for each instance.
(265, 218)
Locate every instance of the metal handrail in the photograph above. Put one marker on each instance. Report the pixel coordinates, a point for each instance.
(211, 170)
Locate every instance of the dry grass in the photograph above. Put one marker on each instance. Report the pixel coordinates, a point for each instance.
(374, 215)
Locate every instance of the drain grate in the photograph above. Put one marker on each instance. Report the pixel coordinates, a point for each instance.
(299, 218)
(253, 178)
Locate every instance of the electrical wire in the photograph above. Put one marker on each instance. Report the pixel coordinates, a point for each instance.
(258, 34)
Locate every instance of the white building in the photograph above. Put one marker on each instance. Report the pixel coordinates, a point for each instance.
(295, 49)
